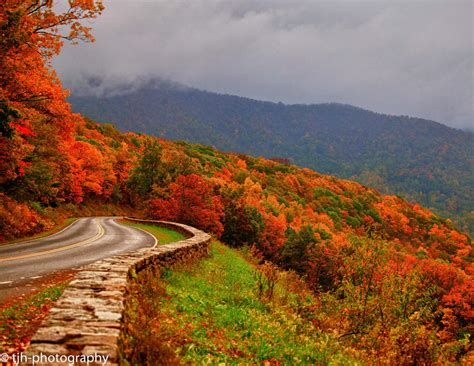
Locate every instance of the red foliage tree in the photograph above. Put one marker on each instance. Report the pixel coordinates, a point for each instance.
(192, 201)
(31, 33)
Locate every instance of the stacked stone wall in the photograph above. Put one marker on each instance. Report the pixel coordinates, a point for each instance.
(88, 318)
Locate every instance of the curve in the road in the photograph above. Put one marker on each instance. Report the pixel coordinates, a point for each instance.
(85, 241)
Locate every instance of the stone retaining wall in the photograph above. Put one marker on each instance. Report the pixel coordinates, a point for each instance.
(86, 320)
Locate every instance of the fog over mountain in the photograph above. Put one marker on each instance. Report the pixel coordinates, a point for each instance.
(398, 57)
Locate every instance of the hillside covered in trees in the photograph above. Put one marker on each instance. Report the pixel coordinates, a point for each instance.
(424, 161)
(394, 279)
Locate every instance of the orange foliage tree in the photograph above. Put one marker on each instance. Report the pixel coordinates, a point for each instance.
(192, 201)
(31, 33)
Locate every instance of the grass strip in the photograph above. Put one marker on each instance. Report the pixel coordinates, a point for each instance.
(164, 235)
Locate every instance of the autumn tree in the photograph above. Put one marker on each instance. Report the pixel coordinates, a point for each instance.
(31, 33)
(191, 201)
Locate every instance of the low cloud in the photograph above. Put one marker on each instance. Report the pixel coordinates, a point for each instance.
(400, 57)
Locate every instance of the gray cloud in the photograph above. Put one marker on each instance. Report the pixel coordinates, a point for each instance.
(400, 57)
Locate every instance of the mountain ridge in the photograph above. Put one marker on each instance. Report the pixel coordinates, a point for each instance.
(422, 160)
(93, 87)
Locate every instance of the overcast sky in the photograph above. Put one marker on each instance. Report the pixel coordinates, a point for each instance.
(399, 57)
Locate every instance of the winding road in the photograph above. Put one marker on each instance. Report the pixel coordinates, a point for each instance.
(84, 241)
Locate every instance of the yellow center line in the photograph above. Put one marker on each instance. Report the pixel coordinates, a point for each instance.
(55, 250)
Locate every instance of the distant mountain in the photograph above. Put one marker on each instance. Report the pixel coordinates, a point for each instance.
(421, 160)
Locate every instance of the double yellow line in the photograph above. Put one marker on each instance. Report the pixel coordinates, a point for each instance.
(99, 234)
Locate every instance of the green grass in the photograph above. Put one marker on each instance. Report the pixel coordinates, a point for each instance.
(212, 314)
(163, 235)
(19, 321)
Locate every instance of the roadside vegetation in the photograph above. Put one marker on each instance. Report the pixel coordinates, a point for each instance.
(234, 308)
(19, 321)
(164, 235)
(227, 310)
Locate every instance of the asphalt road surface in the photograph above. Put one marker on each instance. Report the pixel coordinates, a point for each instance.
(84, 241)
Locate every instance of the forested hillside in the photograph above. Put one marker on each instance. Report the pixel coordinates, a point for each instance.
(421, 160)
(394, 279)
